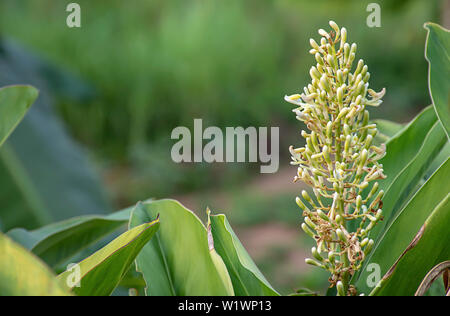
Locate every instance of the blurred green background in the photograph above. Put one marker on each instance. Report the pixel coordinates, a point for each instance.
(136, 69)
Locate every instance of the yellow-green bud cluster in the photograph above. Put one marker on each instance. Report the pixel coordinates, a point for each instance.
(339, 160)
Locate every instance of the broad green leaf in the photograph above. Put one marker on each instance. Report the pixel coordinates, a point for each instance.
(386, 129)
(408, 221)
(437, 53)
(59, 242)
(246, 278)
(408, 155)
(429, 247)
(439, 159)
(101, 272)
(14, 104)
(44, 175)
(22, 273)
(178, 260)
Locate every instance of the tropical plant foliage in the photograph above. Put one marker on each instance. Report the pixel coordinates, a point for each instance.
(162, 248)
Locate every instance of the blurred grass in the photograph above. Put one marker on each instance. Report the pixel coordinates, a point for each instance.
(158, 64)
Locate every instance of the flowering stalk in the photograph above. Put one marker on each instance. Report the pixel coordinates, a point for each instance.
(339, 160)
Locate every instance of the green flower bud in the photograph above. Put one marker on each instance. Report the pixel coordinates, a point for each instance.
(306, 196)
(315, 74)
(328, 130)
(364, 242)
(314, 44)
(342, 113)
(323, 216)
(340, 288)
(313, 262)
(324, 83)
(339, 219)
(310, 223)
(340, 78)
(301, 204)
(316, 254)
(368, 142)
(331, 257)
(307, 230)
(379, 214)
(358, 201)
(334, 26)
(346, 52)
(347, 143)
(341, 235)
(326, 154)
(343, 36)
(319, 59)
(368, 247)
(363, 157)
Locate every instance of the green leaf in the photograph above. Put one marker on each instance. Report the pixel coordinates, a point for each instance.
(407, 223)
(178, 260)
(386, 129)
(59, 242)
(408, 155)
(404, 182)
(21, 273)
(45, 175)
(101, 272)
(14, 104)
(246, 278)
(439, 159)
(429, 247)
(437, 53)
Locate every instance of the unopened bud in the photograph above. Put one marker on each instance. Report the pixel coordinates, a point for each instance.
(369, 247)
(307, 230)
(310, 223)
(326, 154)
(334, 26)
(301, 204)
(328, 131)
(340, 288)
(319, 59)
(306, 196)
(343, 36)
(323, 33)
(316, 254)
(364, 242)
(323, 216)
(313, 262)
(358, 201)
(331, 257)
(341, 235)
(363, 157)
(314, 73)
(314, 44)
